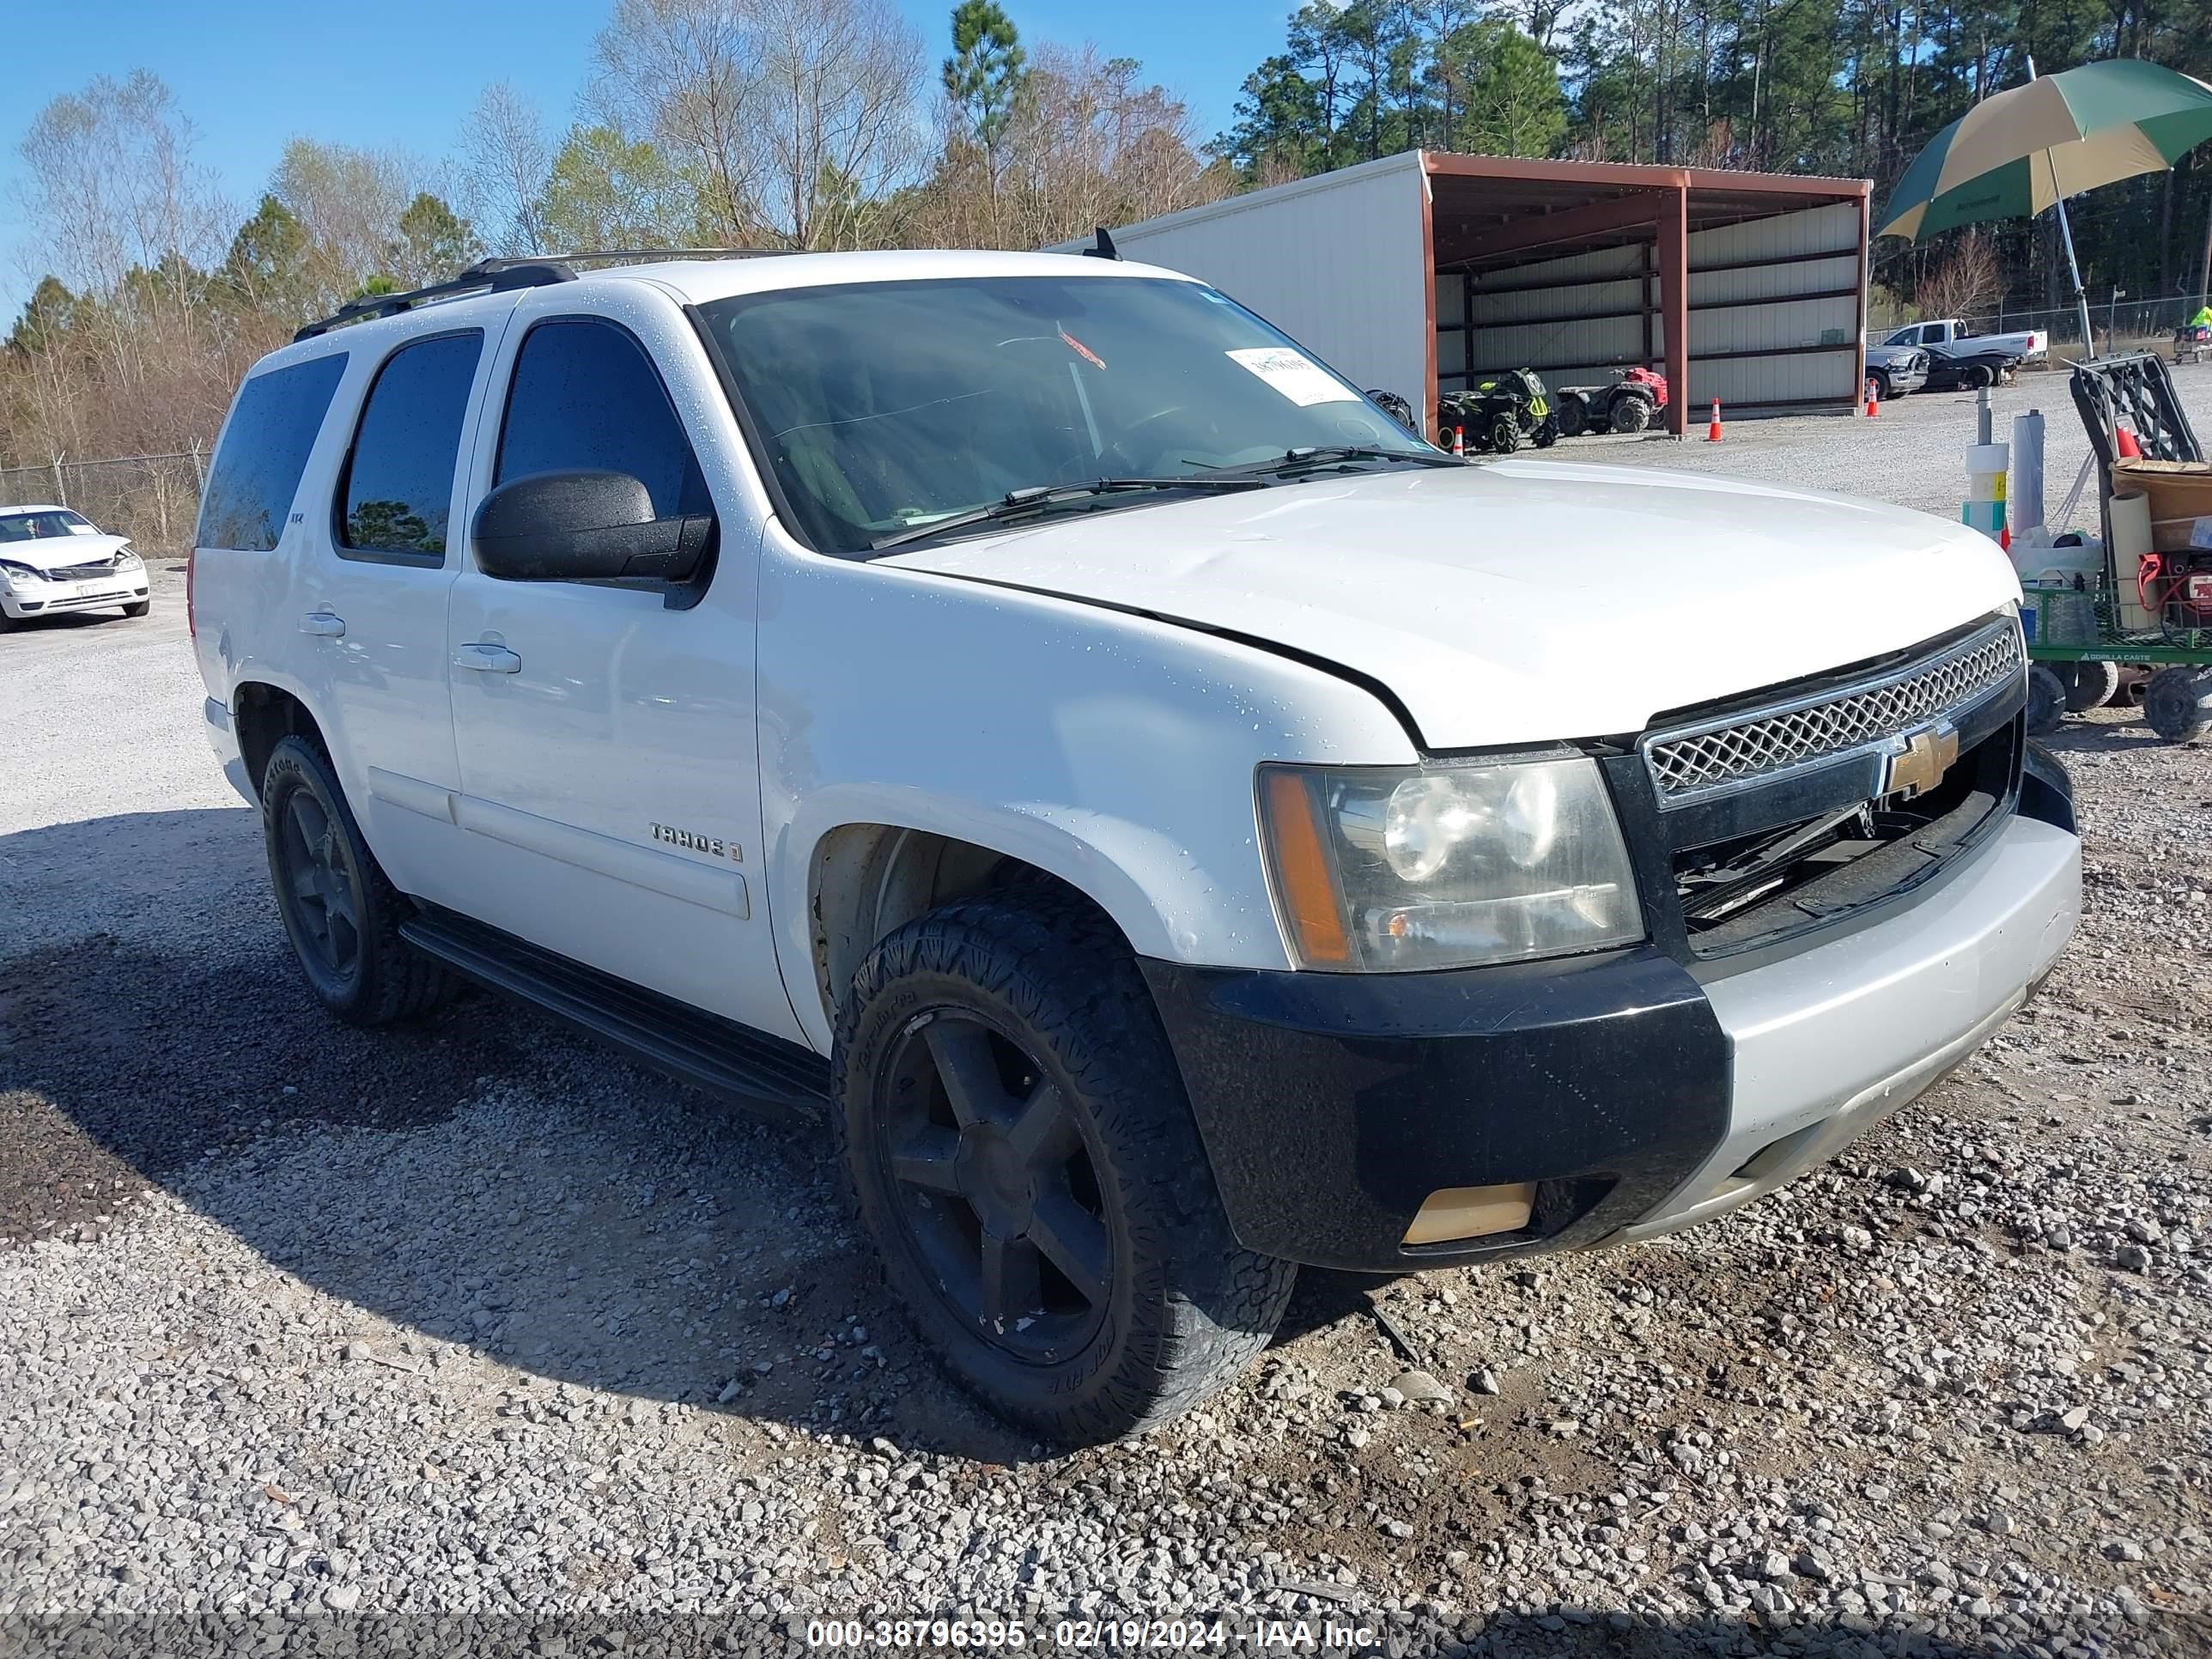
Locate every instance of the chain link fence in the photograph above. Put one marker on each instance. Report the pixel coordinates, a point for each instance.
(152, 499)
(2121, 325)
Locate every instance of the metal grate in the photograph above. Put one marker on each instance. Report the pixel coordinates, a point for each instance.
(1692, 763)
(82, 572)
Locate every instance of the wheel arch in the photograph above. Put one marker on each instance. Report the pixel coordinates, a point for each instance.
(263, 713)
(866, 876)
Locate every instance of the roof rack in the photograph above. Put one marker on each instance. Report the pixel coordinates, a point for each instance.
(529, 270)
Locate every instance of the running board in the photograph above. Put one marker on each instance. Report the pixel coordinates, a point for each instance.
(761, 1073)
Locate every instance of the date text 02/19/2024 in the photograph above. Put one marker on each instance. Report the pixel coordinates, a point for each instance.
(1083, 1635)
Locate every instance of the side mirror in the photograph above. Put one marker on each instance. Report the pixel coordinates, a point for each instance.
(586, 526)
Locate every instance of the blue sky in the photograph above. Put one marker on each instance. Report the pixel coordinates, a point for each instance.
(253, 73)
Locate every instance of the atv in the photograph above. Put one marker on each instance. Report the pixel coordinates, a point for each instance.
(1498, 413)
(1629, 405)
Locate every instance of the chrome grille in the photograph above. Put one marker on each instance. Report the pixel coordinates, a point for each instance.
(1692, 761)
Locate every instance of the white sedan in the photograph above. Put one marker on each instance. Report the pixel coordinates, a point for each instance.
(54, 560)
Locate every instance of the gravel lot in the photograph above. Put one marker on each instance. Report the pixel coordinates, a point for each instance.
(469, 1338)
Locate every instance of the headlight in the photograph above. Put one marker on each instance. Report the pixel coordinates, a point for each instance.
(127, 555)
(1447, 865)
(19, 573)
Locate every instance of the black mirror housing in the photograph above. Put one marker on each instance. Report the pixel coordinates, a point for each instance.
(585, 525)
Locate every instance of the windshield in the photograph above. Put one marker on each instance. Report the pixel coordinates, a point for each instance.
(38, 526)
(886, 405)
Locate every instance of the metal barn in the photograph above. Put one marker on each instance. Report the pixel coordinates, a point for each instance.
(1424, 271)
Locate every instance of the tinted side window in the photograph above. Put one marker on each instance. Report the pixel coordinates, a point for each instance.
(264, 449)
(398, 486)
(585, 394)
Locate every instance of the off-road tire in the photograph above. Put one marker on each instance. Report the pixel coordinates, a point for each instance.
(141, 609)
(387, 979)
(1547, 433)
(1187, 1308)
(1573, 417)
(2046, 700)
(1505, 435)
(2090, 684)
(1629, 415)
(2178, 703)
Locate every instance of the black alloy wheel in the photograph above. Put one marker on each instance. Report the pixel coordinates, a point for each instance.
(319, 889)
(999, 1194)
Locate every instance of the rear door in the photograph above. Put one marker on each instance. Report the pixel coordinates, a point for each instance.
(605, 731)
(372, 598)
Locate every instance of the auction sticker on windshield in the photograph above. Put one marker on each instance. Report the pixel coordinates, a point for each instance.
(1295, 375)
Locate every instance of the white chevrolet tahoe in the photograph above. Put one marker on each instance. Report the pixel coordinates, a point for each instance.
(1167, 821)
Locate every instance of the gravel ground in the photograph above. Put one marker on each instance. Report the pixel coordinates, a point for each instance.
(1913, 452)
(469, 1338)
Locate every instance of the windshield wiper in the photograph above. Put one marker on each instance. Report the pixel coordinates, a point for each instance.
(1015, 502)
(1309, 456)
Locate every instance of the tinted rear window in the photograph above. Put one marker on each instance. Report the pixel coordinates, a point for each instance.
(398, 487)
(264, 449)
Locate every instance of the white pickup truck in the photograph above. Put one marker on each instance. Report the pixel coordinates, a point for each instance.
(1165, 820)
(1957, 356)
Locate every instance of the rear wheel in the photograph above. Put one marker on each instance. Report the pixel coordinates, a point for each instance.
(1017, 1138)
(2046, 700)
(2090, 684)
(341, 911)
(1980, 375)
(2178, 703)
(1631, 415)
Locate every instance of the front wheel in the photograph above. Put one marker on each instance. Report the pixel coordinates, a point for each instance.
(1547, 432)
(1574, 417)
(1979, 376)
(2046, 700)
(1017, 1138)
(1882, 393)
(1505, 435)
(141, 609)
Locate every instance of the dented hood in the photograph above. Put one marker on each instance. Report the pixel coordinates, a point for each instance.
(1528, 600)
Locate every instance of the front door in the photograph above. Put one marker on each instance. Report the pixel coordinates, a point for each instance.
(609, 767)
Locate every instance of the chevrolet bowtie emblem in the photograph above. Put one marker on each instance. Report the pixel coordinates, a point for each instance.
(1927, 756)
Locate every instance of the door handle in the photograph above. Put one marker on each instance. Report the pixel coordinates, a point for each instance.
(323, 624)
(487, 658)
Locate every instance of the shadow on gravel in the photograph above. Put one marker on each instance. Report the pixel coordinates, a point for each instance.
(525, 1192)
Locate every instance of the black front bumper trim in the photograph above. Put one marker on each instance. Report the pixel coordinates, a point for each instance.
(1332, 1105)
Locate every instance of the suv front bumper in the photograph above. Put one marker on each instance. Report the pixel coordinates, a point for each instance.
(1635, 1097)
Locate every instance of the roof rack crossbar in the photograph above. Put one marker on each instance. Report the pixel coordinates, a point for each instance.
(486, 276)
(525, 271)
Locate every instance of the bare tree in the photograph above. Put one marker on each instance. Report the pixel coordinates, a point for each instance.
(505, 161)
(348, 202)
(837, 132)
(687, 75)
(1968, 279)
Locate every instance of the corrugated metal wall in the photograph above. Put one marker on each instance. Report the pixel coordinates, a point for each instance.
(1338, 261)
(1773, 315)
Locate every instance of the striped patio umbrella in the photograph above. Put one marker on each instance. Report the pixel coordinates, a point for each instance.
(2020, 151)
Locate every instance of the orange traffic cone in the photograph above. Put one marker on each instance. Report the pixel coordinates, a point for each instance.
(2124, 441)
(1713, 431)
(1459, 440)
(1873, 397)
